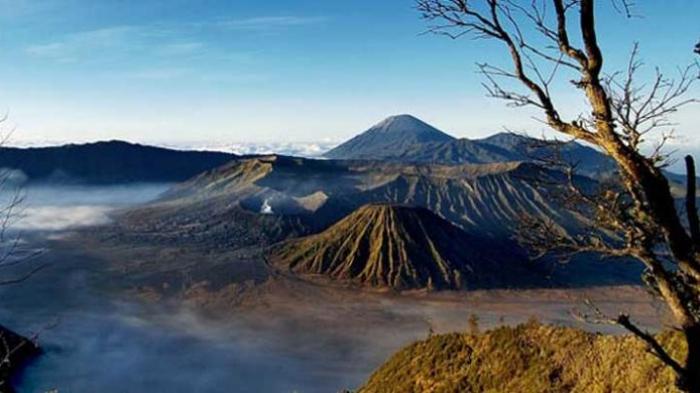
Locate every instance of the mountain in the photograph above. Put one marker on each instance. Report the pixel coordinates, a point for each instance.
(256, 202)
(510, 147)
(296, 196)
(488, 198)
(407, 139)
(588, 161)
(389, 138)
(112, 162)
(457, 151)
(222, 209)
(395, 246)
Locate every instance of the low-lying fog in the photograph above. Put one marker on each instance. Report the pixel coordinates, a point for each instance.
(48, 207)
(97, 341)
(94, 342)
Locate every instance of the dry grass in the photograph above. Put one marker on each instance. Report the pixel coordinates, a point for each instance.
(527, 358)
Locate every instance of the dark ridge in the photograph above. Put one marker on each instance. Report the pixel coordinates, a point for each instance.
(112, 162)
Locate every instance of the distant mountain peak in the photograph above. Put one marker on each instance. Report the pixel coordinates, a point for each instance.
(404, 122)
(506, 136)
(393, 134)
(409, 125)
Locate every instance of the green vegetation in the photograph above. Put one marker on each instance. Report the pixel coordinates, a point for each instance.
(527, 358)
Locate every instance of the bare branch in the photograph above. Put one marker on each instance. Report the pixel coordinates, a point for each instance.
(25, 276)
(597, 316)
(654, 346)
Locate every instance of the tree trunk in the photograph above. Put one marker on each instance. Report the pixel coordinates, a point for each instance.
(690, 205)
(660, 205)
(691, 381)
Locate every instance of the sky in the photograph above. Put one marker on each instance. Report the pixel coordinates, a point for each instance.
(214, 71)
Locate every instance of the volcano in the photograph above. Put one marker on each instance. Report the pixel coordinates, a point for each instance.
(393, 246)
(390, 137)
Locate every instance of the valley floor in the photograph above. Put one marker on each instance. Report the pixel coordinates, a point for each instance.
(239, 284)
(339, 335)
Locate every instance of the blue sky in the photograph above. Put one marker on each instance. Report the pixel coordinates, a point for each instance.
(241, 70)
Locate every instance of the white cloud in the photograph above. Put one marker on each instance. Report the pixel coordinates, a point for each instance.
(297, 149)
(158, 74)
(127, 40)
(154, 39)
(77, 45)
(179, 49)
(54, 49)
(293, 148)
(14, 9)
(269, 22)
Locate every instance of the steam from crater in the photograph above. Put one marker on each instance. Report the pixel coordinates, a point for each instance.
(266, 208)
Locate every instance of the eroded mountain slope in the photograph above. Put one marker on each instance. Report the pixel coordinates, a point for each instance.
(399, 247)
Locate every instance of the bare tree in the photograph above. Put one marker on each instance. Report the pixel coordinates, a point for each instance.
(15, 267)
(635, 216)
(12, 255)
